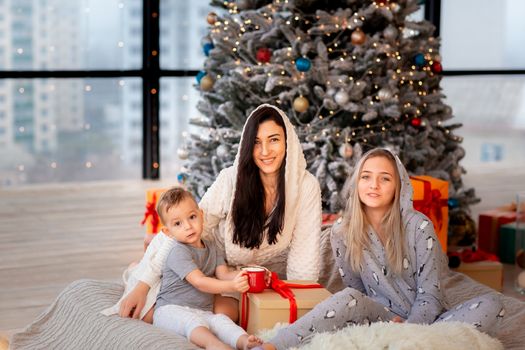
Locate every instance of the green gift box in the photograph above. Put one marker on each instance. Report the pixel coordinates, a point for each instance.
(507, 241)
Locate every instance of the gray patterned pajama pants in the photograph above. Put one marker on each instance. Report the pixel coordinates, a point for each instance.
(351, 307)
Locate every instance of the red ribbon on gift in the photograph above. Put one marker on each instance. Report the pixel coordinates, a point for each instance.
(151, 212)
(284, 290)
(431, 203)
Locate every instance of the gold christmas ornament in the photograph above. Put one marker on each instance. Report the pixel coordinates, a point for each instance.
(358, 37)
(301, 104)
(211, 18)
(207, 83)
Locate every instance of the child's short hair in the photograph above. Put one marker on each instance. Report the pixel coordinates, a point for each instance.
(170, 198)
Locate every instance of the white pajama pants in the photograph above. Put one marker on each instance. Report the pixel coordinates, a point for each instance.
(183, 320)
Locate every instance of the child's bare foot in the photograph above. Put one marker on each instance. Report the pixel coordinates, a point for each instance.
(252, 341)
(248, 341)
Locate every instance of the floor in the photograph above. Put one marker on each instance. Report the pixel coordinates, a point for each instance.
(51, 235)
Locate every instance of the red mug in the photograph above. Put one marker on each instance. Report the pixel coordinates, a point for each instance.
(256, 278)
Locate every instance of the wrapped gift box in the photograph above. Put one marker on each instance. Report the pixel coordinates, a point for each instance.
(151, 218)
(268, 308)
(490, 273)
(431, 198)
(488, 228)
(507, 241)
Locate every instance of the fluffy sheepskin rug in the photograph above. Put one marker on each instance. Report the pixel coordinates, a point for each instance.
(397, 336)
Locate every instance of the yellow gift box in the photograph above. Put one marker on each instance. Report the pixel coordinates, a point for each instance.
(431, 198)
(151, 218)
(268, 308)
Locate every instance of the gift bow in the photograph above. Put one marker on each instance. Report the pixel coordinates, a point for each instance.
(284, 290)
(151, 212)
(431, 204)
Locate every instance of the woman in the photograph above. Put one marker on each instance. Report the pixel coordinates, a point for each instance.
(264, 210)
(389, 257)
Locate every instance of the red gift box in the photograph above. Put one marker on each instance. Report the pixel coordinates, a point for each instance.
(488, 227)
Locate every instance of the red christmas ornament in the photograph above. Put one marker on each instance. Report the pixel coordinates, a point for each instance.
(437, 67)
(264, 55)
(381, 2)
(416, 122)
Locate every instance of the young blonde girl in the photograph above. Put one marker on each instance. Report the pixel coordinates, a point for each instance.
(391, 260)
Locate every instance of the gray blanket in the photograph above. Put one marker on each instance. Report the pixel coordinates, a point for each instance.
(74, 320)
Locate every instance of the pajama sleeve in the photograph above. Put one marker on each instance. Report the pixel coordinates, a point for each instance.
(428, 304)
(350, 278)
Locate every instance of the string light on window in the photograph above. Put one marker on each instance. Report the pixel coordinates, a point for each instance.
(88, 88)
(88, 164)
(120, 44)
(53, 165)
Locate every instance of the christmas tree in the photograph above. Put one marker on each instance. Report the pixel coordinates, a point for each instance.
(350, 74)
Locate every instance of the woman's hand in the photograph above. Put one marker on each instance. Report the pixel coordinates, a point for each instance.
(134, 302)
(268, 277)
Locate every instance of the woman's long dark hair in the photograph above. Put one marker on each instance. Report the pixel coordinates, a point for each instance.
(248, 210)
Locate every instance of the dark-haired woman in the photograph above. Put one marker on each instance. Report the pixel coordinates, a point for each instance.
(263, 210)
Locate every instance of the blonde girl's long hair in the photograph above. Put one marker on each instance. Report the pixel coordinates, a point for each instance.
(357, 225)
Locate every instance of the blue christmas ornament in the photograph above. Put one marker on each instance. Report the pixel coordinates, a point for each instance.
(303, 64)
(199, 76)
(206, 48)
(453, 203)
(419, 60)
(182, 177)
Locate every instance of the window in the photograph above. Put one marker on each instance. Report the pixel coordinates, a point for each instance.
(481, 34)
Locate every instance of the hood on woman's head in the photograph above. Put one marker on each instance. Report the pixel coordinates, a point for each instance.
(294, 154)
(406, 186)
